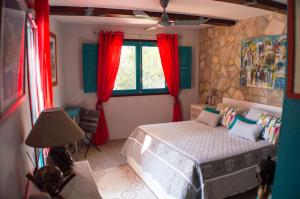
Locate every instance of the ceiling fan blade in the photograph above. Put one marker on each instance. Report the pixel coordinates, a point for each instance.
(89, 11)
(154, 27)
(155, 19)
(120, 15)
(140, 14)
(254, 2)
(200, 21)
(143, 15)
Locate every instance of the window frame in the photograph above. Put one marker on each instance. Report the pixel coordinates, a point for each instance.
(139, 44)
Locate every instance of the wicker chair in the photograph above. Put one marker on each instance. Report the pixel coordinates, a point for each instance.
(88, 121)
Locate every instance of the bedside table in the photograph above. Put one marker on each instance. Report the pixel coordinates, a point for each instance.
(197, 108)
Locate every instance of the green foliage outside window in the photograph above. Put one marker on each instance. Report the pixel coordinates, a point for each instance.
(140, 70)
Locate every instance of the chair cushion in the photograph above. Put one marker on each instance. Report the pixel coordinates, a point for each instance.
(89, 120)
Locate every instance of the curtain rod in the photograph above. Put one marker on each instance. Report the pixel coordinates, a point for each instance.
(134, 34)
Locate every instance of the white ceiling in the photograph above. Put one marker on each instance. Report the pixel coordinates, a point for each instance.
(196, 7)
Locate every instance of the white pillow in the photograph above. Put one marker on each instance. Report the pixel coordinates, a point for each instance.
(211, 119)
(246, 130)
(254, 114)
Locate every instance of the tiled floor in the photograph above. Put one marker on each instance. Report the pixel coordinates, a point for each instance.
(110, 157)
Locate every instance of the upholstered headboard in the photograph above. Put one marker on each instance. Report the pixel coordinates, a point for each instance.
(248, 105)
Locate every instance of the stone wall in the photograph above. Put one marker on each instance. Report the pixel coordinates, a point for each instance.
(220, 59)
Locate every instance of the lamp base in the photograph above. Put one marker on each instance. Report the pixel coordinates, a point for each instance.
(60, 157)
(50, 179)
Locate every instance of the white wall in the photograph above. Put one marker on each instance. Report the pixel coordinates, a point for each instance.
(123, 114)
(13, 159)
(58, 90)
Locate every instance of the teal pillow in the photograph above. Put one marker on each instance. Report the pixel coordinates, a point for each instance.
(212, 110)
(243, 119)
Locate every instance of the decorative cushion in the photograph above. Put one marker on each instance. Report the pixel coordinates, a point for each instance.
(264, 119)
(209, 118)
(212, 110)
(247, 129)
(229, 116)
(221, 107)
(243, 119)
(254, 114)
(271, 131)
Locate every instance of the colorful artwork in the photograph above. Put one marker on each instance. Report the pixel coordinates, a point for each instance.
(264, 62)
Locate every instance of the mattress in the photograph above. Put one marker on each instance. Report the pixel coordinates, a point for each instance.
(188, 158)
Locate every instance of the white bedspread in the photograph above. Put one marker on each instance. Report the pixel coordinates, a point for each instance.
(191, 160)
(201, 142)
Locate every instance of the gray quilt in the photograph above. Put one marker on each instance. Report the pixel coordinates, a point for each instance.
(184, 157)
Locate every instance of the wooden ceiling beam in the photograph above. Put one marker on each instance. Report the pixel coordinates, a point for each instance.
(269, 5)
(108, 12)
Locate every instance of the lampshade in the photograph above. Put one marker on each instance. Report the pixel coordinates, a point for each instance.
(54, 128)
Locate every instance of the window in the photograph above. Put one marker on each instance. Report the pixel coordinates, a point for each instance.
(34, 81)
(140, 70)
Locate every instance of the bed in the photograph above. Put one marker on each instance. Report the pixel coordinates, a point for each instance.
(192, 160)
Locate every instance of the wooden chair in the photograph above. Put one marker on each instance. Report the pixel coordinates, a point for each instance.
(88, 121)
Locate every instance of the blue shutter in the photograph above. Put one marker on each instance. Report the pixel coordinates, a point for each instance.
(185, 65)
(89, 61)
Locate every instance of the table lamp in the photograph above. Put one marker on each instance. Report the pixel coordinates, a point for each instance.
(210, 97)
(54, 129)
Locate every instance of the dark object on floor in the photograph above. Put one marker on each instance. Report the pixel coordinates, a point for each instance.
(265, 177)
(88, 122)
(60, 157)
(50, 179)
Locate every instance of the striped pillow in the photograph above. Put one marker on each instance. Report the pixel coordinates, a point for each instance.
(264, 119)
(229, 114)
(271, 131)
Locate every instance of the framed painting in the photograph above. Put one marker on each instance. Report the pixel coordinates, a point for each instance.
(12, 50)
(263, 62)
(293, 72)
(53, 58)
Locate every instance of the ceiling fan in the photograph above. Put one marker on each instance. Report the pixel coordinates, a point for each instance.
(164, 20)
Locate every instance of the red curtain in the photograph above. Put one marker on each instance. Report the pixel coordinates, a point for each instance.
(42, 22)
(168, 50)
(109, 52)
(21, 67)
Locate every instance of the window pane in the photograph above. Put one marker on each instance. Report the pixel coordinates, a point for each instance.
(153, 75)
(126, 77)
